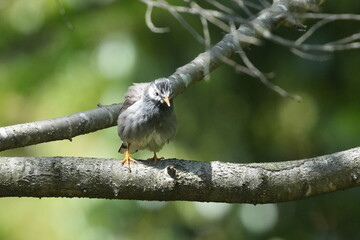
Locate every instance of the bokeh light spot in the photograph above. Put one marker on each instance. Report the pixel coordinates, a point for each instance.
(258, 219)
(299, 117)
(26, 16)
(212, 210)
(116, 56)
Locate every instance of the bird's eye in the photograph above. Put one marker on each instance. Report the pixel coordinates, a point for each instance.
(156, 94)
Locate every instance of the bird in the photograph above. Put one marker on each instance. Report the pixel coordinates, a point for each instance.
(147, 119)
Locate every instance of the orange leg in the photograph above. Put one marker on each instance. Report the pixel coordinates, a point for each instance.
(155, 158)
(127, 159)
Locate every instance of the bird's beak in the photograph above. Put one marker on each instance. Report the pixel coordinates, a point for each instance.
(167, 101)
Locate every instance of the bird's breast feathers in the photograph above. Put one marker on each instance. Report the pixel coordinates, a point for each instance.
(154, 141)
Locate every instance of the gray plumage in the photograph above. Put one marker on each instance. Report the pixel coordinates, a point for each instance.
(145, 120)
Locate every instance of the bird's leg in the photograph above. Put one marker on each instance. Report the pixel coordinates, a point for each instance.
(127, 157)
(155, 158)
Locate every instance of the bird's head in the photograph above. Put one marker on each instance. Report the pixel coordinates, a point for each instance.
(160, 91)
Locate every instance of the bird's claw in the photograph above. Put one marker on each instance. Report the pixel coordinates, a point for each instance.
(155, 158)
(127, 159)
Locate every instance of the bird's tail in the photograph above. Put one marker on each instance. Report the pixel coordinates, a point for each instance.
(123, 148)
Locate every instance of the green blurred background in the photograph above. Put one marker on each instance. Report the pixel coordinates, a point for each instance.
(53, 64)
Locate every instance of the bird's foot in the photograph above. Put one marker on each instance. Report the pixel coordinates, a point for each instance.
(155, 158)
(127, 159)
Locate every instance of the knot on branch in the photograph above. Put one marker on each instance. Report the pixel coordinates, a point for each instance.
(171, 171)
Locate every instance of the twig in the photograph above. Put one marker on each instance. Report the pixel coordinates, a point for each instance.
(182, 9)
(207, 44)
(194, 71)
(264, 79)
(347, 16)
(150, 24)
(186, 25)
(327, 47)
(310, 56)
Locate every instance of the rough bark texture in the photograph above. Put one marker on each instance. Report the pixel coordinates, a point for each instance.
(179, 179)
(67, 127)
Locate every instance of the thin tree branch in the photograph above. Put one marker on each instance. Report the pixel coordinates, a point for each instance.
(312, 30)
(327, 47)
(264, 79)
(150, 24)
(193, 11)
(220, 24)
(178, 179)
(312, 57)
(186, 25)
(334, 17)
(61, 128)
(268, 19)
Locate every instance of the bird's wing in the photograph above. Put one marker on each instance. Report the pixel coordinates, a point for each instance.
(134, 94)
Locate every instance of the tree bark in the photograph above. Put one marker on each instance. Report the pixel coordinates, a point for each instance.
(66, 127)
(174, 179)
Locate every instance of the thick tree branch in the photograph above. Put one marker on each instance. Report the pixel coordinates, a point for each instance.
(178, 179)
